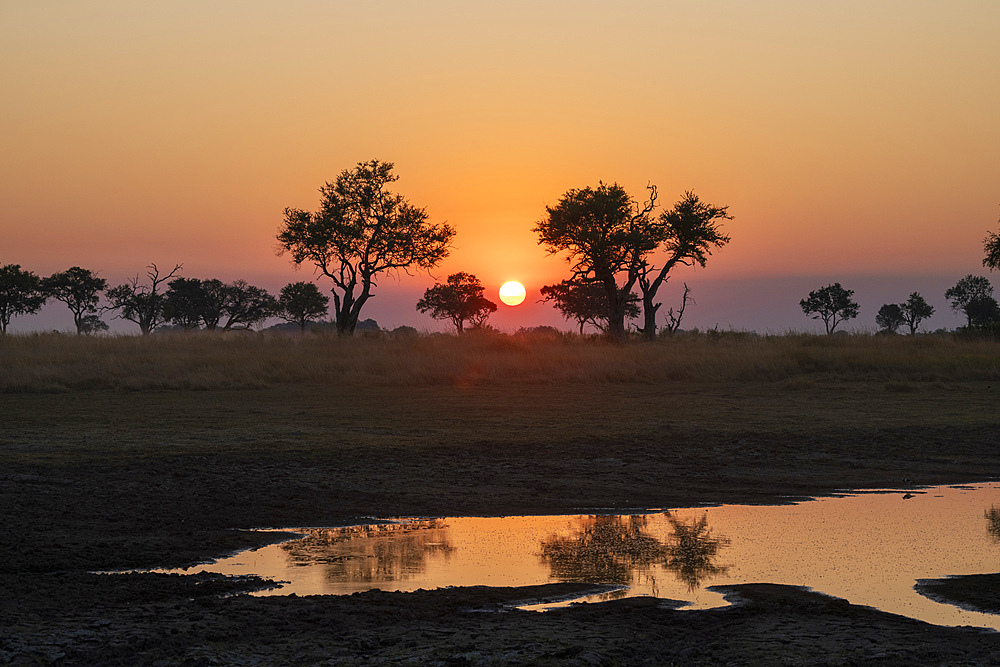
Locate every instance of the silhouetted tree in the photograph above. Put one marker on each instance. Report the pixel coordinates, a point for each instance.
(141, 304)
(459, 299)
(915, 310)
(587, 303)
(21, 293)
(300, 303)
(991, 246)
(91, 324)
(983, 311)
(246, 305)
(80, 289)
(606, 235)
(184, 303)
(214, 293)
(970, 290)
(689, 231)
(832, 304)
(361, 230)
(890, 317)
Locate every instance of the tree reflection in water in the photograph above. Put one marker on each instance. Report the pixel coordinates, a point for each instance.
(604, 550)
(993, 522)
(692, 550)
(613, 549)
(371, 553)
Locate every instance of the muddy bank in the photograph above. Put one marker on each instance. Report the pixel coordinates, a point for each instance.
(111, 481)
(150, 620)
(976, 592)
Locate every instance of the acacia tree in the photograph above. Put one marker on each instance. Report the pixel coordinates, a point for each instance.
(142, 304)
(832, 304)
(914, 310)
(246, 305)
(80, 289)
(969, 294)
(606, 235)
(459, 299)
(184, 302)
(890, 317)
(689, 231)
(361, 230)
(587, 303)
(21, 293)
(213, 305)
(301, 303)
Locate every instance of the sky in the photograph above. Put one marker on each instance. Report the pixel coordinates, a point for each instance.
(854, 142)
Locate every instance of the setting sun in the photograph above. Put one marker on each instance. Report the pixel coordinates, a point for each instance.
(512, 293)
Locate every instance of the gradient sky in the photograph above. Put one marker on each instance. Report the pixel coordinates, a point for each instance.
(853, 141)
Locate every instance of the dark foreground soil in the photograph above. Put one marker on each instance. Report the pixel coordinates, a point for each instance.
(100, 481)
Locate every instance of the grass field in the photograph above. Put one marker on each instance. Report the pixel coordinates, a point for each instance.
(53, 362)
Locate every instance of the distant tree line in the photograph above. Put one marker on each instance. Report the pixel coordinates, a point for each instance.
(972, 296)
(161, 298)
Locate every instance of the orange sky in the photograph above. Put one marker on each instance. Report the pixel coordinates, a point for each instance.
(850, 139)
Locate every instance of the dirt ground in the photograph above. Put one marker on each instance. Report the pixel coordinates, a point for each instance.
(112, 480)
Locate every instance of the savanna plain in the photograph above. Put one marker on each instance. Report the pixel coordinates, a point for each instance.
(137, 452)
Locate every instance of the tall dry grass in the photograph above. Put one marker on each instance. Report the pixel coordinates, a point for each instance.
(54, 362)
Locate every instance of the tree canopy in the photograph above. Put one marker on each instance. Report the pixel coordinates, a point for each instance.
(301, 303)
(889, 317)
(991, 245)
(915, 310)
(587, 303)
(605, 234)
(969, 295)
(246, 305)
(237, 305)
(80, 289)
(689, 232)
(832, 304)
(613, 241)
(184, 302)
(459, 299)
(21, 293)
(360, 230)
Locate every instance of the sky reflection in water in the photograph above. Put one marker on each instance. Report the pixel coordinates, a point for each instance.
(867, 548)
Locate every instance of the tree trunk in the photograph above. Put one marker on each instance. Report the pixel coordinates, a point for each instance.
(343, 308)
(616, 314)
(346, 322)
(649, 315)
(649, 289)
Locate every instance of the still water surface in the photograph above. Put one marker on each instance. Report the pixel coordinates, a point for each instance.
(868, 548)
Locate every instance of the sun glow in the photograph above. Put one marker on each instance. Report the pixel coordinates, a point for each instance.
(512, 293)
